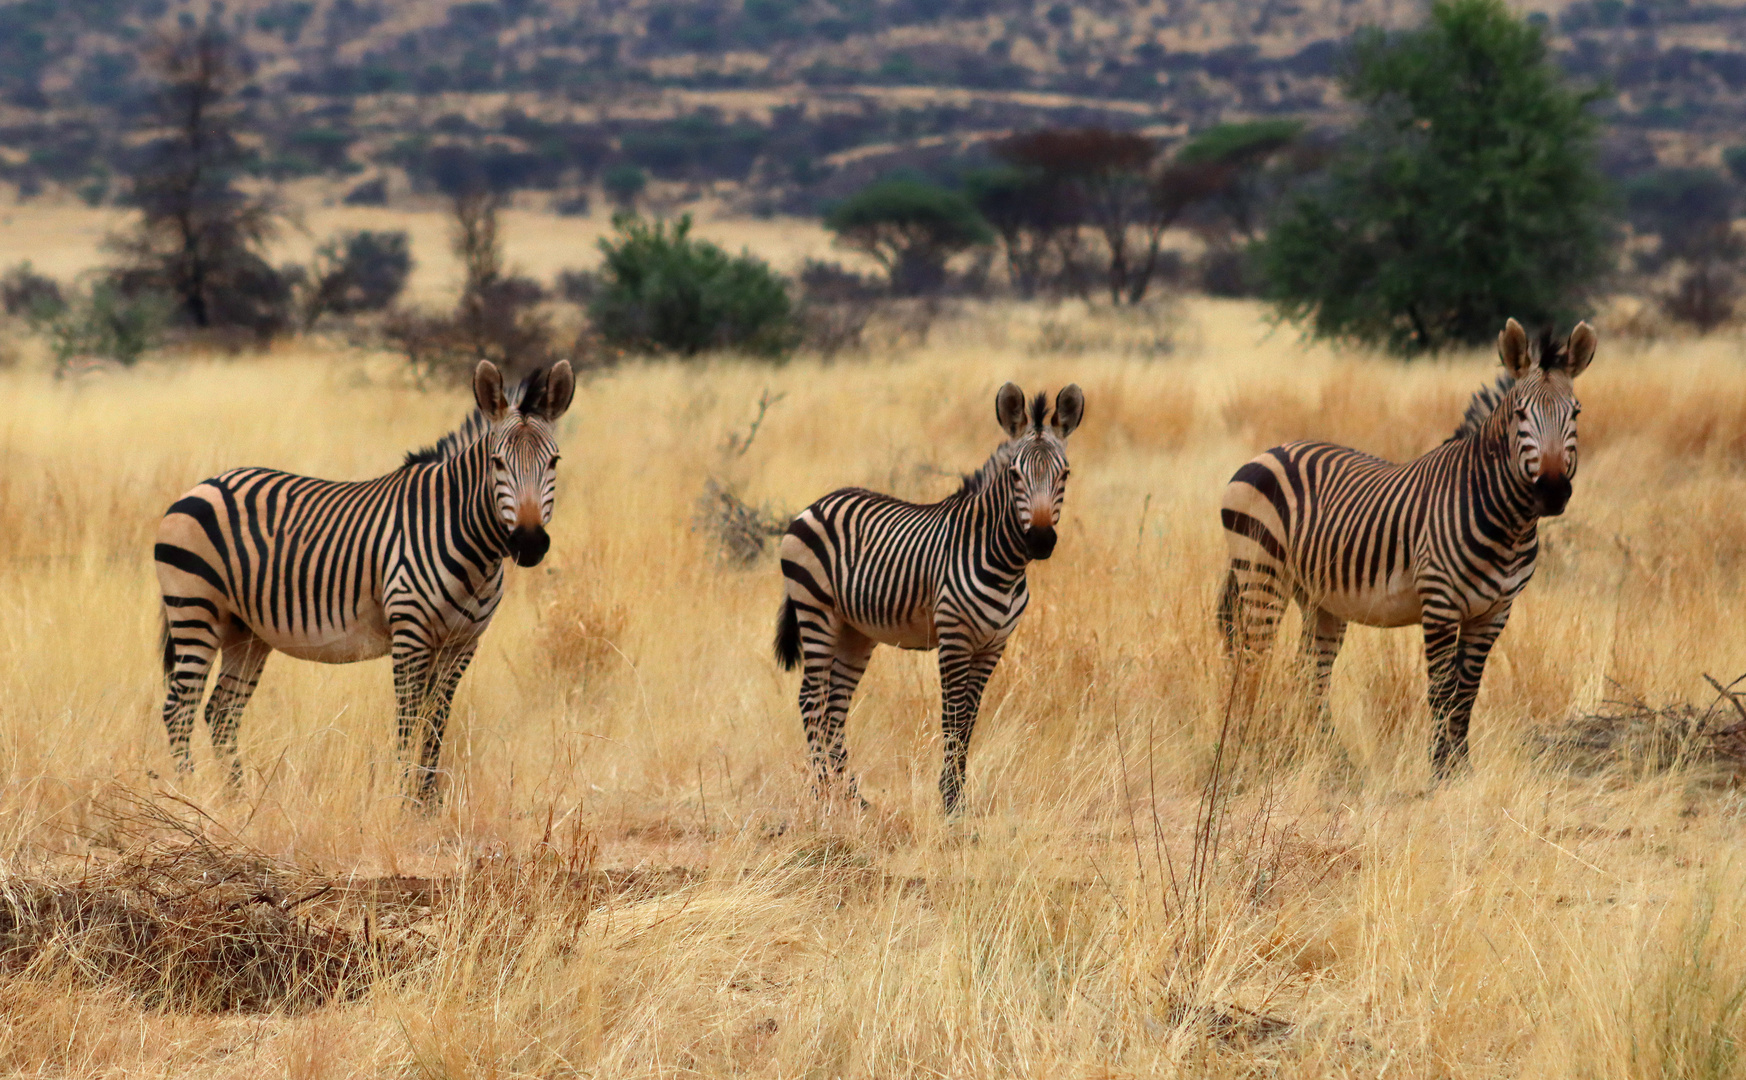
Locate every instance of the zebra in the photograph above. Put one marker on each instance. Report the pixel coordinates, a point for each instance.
(1447, 540)
(409, 564)
(862, 569)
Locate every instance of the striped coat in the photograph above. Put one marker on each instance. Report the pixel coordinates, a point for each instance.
(862, 569)
(1446, 541)
(409, 565)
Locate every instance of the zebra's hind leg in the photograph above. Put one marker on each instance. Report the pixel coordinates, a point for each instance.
(239, 672)
(848, 664)
(963, 676)
(1466, 671)
(1323, 634)
(1249, 611)
(189, 650)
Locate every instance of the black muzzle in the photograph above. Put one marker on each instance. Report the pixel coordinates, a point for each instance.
(1554, 492)
(529, 546)
(1040, 543)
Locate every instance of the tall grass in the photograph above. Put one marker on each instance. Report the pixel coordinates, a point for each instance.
(624, 714)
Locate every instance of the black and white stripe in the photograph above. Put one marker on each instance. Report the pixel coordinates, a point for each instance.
(409, 564)
(1447, 540)
(862, 569)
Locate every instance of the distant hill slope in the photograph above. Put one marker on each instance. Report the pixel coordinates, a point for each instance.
(792, 98)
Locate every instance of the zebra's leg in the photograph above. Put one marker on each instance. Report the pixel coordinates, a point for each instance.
(1477, 638)
(1442, 653)
(238, 673)
(853, 649)
(188, 656)
(818, 659)
(424, 684)
(1249, 610)
(963, 676)
(1323, 633)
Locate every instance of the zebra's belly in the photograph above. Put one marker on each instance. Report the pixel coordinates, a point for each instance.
(365, 640)
(916, 632)
(1395, 603)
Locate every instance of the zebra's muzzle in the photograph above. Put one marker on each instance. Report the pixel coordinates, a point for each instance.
(1040, 543)
(528, 546)
(1554, 492)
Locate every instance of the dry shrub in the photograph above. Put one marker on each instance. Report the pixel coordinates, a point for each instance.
(579, 631)
(194, 925)
(1628, 733)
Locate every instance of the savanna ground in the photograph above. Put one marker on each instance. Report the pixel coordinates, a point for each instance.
(629, 875)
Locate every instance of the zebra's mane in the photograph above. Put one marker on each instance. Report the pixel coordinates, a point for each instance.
(1484, 402)
(1551, 355)
(530, 395)
(997, 462)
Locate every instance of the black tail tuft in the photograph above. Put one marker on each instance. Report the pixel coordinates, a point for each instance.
(164, 641)
(788, 636)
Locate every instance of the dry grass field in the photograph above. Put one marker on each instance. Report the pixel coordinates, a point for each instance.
(629, 876)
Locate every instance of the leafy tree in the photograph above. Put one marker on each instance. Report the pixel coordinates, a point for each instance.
(200, 236)
(624, 184)
(358, 272)
(1227, 164)
(911, 227)
(1468, 193)
(662, 290)
(1034, 214)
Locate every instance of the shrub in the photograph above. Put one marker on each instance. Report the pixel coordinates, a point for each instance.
(103, 322)
(26, 293)
(623, 184)
(663, 291)
(362, 271)
(373, 192)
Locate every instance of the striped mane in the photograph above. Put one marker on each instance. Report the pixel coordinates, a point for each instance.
(1551, 355)
(1002, 456)
(531, 394)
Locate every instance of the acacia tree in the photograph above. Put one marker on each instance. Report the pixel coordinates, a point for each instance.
(200, 234)
(911, 228)
(1468, 193)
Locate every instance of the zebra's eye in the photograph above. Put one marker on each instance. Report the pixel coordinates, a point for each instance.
(1065, 473)
(1521, 412)
(497, 460)
(554, 462)
(1576, 410)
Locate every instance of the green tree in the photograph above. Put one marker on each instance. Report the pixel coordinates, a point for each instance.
(911, 227)
(662, 290)
(1467, 194)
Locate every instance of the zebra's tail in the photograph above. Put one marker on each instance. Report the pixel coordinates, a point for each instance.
(1228, 612)
(164, 641)
(788, 636)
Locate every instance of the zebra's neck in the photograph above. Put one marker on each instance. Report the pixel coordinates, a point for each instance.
(475, 503)
(1510, 497)
(991, 512)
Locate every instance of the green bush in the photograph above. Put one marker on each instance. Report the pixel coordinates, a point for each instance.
(103, 323)
(661, 290)
(911, 227)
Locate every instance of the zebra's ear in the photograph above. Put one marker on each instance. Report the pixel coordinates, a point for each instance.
(488, 391)
(1512, 349)
(1581, 348)
(560, 388)
(1009, 409)
(1069, 410)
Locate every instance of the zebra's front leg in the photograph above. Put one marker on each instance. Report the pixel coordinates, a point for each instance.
(1477, 638)
(238, 674)
(424, 682)
(1442, 651)
(963, 675)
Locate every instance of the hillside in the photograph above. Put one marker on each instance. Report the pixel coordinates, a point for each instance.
(781, 103)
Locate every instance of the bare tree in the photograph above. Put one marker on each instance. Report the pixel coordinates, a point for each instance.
(199, 234)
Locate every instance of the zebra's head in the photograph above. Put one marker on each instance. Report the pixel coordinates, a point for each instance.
(524, 451)
(1542, 421)
(1038, 459)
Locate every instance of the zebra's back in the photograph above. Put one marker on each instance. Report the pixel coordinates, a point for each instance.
(1335, 525)
(871, 559)
(299, 561)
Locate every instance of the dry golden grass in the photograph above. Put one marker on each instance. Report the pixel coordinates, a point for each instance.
(629, 876)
